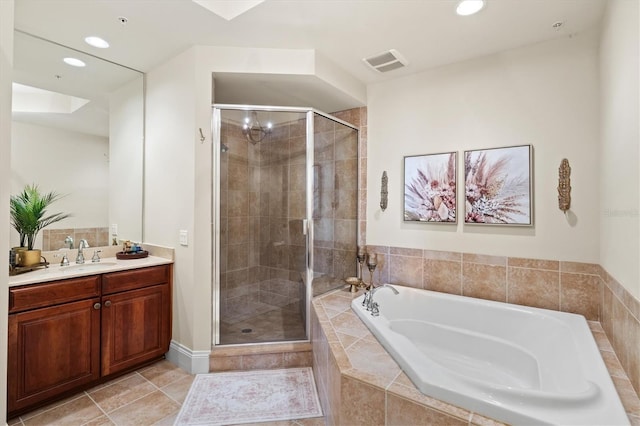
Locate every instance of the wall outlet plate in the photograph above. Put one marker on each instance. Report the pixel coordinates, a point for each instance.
(114, 229)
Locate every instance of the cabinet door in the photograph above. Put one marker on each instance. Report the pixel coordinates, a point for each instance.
(52, 350)
(136, 327)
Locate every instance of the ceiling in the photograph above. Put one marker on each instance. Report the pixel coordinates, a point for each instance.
(427, 33)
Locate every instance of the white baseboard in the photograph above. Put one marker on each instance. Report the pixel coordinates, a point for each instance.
(195, 362)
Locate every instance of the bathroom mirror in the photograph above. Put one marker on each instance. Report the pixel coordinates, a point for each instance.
(78, 131)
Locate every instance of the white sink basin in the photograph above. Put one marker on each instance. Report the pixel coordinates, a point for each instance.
(90, 266)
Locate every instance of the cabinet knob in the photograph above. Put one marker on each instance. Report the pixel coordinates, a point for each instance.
(107, 303)
(96, 305)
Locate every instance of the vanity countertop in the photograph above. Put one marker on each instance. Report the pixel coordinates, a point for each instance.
(106, 265)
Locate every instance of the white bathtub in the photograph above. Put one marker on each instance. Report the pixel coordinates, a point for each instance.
(512, 363)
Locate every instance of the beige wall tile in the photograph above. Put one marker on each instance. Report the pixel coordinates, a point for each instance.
(484, 281)
(346, 142)
(442, 255)
(579, 267)
(484, 259)
(225, 363)
(347, 204)
(442, 275)
(378, 361)
(402, 412)
(262, 361)
(551, 265)
(579, 294)
(334, 388)
(400, 251)
(404, 388)
(365, 405)
(351, 116)
(344, 234)
(534, 287)
(628, 395)
(297, 359)
(478, 420)
(405, 270)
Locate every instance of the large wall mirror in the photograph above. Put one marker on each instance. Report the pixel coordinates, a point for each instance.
(78, 131)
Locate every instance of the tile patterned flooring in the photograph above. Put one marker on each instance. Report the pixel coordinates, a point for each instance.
(150, 396)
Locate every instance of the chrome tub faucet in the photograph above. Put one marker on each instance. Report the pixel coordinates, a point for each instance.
(368, 299)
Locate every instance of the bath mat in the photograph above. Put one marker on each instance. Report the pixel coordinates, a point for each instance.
(250, 397)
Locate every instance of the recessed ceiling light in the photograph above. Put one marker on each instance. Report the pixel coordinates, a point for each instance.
(469, 7)
(74, 62)
(96, 42)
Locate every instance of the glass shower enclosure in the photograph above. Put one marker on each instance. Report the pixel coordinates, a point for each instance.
(285, 208)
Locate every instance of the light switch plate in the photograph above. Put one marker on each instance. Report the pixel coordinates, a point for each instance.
(114, 229)
(184, 237)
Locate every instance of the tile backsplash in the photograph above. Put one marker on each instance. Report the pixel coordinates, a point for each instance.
(53, 239)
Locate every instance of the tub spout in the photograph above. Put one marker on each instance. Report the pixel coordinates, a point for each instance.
(368, 297)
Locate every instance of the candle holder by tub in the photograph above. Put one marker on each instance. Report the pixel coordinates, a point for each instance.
(372, 262)
(362, 257)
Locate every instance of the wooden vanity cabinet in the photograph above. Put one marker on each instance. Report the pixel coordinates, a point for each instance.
(136, 317)
(68, 335)
(52, 349)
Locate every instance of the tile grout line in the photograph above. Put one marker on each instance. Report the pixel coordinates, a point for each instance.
(99, 408)
(52, 408)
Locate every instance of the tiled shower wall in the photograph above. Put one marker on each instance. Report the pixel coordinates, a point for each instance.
(255, 200)
(280, 184)
(335, 215)
(262, 192)
(581, 288)
(236, 233)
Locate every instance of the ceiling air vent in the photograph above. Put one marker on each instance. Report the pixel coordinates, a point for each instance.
(386, 61)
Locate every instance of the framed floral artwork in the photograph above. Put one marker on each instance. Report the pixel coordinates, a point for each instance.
(498, 186)
(430, 188)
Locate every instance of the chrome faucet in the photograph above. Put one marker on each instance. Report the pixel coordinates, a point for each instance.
(83, 245)
(368, 299)
(69, 242)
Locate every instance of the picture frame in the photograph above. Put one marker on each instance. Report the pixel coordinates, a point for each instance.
(498, 186)
(430, 188)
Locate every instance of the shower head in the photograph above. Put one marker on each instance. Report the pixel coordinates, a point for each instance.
(253, 130)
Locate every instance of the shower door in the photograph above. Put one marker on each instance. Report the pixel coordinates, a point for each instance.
(262, 254)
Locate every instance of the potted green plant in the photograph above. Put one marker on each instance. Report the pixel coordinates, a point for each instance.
(28, 217)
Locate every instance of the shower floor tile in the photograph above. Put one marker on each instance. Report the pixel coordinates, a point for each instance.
(278, 324)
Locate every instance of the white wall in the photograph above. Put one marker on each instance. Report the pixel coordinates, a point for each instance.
(126, 137)
(170, 178)
(6, 62)
(545, 95)
(72, 164)
(619, 211)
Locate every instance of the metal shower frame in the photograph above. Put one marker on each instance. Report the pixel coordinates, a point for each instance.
(307, 222)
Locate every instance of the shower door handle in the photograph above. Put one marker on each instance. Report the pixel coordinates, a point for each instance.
(304, 226)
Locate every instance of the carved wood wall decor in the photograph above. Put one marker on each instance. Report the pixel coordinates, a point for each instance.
(384, 191)
(564, 185)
